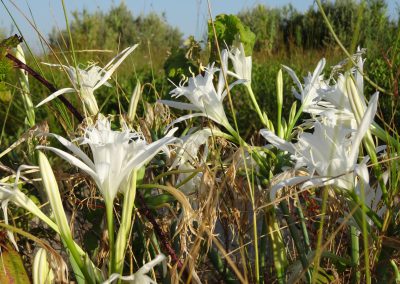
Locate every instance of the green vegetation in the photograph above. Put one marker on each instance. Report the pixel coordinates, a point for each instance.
(161, 157)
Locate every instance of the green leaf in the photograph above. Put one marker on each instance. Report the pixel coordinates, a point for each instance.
(10, 42)
(12, 269)
(155, 201)
(5, 94)
(230, 30)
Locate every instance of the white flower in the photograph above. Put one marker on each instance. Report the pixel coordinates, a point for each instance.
(242, 64)
(187, 156)
(86, 81)
(331, 151)
(309, 95)
(140, 276)
(373, 196)
(115, 154)
(203, 97)
(10, 192)
(342, 102)
(191, 144)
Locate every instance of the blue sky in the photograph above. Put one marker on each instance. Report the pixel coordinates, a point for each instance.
(189, 15)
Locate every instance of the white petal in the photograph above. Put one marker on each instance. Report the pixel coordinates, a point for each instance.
(294, 77)
(4, 205)
(56, 94)
(277, 141)
(363, 127)
(237, 82)
(288, 182)
(182, 118)
(151, 150)
(318, 182)
(146, 268)
(318, 70)
(179, 105)
(76, 162)
(109, 72)
(73, 148)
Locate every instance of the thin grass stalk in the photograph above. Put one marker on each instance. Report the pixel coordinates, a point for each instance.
(263, 249)
(70, 40)
(125, 225)
(319, 249)
(227, 257)
(241, 143)
(355, 254)
(332, 31)
(279, 101)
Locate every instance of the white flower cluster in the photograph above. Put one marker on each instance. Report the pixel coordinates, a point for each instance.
(340, 120)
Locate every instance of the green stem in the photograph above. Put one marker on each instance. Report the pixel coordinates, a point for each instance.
(126, 224)
(110, 227)
(255, 104)
(365, 235)
(296, 237)
(293, 123)
(303, 227)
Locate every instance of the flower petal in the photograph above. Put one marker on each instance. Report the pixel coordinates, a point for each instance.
(277, 141)
(150, 151)
(288, 182)
(294, 77)
(179, 105)
(76, 162)
(56, 94)
(115, 65)
(73, 148)
(182, 118)
(364, 126)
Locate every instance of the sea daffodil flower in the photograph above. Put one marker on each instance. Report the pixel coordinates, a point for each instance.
(242, 64)
(86, 81)
(331, 151)
(140, 276)
(203, 97)
(115, 154)
(309, 93)
(10, 192)
(187, 156)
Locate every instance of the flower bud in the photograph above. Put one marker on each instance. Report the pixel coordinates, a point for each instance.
(42, 272)
(134, 101)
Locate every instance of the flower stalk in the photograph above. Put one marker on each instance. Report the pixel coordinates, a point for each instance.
(126, 223)
(110, 230)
